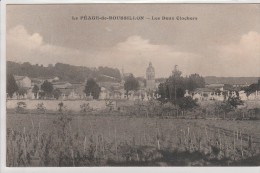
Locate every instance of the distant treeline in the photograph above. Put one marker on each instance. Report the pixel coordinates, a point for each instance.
(65, 72)
(230, 80)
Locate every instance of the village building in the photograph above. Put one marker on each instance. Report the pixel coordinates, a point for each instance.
(242, 95)
(216, 86)
(150, 77)
(30, 94)
(61, 85)
(206, 94)
(23, 81)
(71, 91)
(240, 85)
(187, 94)
(254, 96)
(76, 92)
(39, 80)
(115, 93)
(141, 82)
(104, 93)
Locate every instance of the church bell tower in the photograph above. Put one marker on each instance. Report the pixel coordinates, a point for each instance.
(150, 77)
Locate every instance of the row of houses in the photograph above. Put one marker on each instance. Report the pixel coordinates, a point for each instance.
(205, 94)
(75, 91)
(115, 90)
(68, 90)
(26, 82)
(109, 90)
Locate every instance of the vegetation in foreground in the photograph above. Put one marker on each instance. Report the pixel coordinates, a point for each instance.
(65, 139)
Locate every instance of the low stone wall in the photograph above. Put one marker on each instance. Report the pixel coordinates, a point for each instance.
(73, 105)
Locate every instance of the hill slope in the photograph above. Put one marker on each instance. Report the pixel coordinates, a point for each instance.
(65, 72)
(230, 80)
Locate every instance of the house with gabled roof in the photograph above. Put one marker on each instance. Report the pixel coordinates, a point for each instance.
(23, 81)
(72, 91)
(62, 85)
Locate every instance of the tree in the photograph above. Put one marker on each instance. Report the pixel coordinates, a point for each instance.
(162, 91)
(22, 91)
(131, 84)
(35, 90)
(56, 93)
(92, 88)
(47, 88)
(174, 84)
(229, 105)
(174, 87)
(71, 74)
(195, 81)
(176, 73)
(50, 65)
(252, 88)
(187, 103)
(180, 93)
(235, 101)
(114, 74)
(11, 85)
(42, 94)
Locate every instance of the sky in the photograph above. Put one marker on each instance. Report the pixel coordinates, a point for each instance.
(224, 40)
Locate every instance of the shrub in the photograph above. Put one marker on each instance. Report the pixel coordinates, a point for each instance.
(85, 108)
(187, 103)
(40, 108)
(21, 106)
(110, 104)
(62, 108)
(168, 108)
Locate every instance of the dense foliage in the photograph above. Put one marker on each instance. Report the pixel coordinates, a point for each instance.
(11, 85)
(131, 84)
(229, 105)
(35, 90)
(57, 93)
(47, 88)
(230, 80)
(92, 88)
(175, 86)
(253, 87)
(65, 72)
(187, 103)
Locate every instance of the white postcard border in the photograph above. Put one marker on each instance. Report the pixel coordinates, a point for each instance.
(5, 169)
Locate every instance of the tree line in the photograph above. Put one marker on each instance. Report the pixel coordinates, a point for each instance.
(252, 88)
(174, 87)
(65, 72)
(46, 89)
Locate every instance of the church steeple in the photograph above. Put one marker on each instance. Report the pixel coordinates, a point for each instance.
(150, 77)
(150, 72)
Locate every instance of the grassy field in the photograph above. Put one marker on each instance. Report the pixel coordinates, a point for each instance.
(112, 140)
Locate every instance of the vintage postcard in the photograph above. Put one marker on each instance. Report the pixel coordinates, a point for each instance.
(132, 85)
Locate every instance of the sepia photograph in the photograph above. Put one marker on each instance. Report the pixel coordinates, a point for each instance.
(132, 85)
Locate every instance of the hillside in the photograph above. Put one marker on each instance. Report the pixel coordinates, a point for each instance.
(230, 80)
(65, 72)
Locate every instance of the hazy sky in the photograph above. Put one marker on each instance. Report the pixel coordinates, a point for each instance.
(223, 41)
